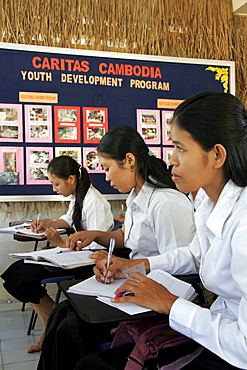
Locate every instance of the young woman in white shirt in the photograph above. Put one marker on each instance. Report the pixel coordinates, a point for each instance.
(209, 132)
(158, 218)
(88, 209)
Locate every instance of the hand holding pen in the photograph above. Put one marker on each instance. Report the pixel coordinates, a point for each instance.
(111, 248)
(37, 222)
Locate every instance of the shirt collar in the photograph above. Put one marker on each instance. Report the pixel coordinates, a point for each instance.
(141, 199)
(223, 207)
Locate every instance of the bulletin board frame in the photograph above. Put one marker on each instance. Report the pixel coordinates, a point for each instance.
(114, 87)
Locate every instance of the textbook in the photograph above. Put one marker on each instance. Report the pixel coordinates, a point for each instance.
(93, 287)
(61, 257)
(24, 229)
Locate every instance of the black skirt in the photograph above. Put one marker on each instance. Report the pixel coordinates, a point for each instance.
(22, 280)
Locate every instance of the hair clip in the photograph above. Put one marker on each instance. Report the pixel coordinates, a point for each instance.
(150, 153)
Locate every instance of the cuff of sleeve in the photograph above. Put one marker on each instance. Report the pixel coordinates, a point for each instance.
(181, 316)
(157, 262)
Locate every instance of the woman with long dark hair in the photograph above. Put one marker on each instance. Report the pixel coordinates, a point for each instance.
(88, 209)
(158, 218)
(209, 133)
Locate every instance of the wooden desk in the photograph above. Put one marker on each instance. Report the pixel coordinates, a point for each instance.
(94, 311)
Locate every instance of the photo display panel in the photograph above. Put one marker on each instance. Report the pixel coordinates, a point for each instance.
(56, 101)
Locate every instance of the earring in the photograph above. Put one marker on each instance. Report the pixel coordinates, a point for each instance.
(131, 167)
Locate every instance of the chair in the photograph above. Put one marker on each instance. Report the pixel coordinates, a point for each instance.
(56, 280)
(117, 225)
(24, 238)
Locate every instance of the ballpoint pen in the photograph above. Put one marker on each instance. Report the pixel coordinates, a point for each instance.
(111, 248)
(37, 221)
(65, 251)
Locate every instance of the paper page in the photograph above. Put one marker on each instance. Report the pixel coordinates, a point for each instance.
(30, 232)
(23, 229)
(129, 308)
(178, 287)
(15, 229)
(35, 254)
(132, 270)
(71, 258)
(93, 287)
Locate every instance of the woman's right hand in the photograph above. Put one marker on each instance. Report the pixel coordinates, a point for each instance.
(41, 227)
(83, 237)
(115, 270)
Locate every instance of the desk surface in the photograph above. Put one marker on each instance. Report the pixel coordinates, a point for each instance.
(94, 311)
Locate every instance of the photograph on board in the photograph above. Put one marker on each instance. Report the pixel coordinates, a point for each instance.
(38, 123)
(155, 150)
(73, 152)
(11, 122)
(11, 166)
(167, 153)
(37, 162)
(148, 125)
(166, 126)
(67, 124)
(91, 160)
(95, 124)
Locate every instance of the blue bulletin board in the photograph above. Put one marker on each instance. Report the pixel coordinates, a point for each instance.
(56, 101)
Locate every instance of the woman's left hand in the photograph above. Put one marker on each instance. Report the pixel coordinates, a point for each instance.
(54, 237)
(148, 293)
(99, 255)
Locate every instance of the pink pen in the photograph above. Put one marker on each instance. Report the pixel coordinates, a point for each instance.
(118, 295)
(124, 294)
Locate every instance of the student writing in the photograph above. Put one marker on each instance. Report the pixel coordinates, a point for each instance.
(158, 218)
(88, 209)
(209, 132)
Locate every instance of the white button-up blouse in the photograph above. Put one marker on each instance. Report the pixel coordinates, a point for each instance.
(219, 253)
(157, 220)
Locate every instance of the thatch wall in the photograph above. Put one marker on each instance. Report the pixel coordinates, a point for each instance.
(182, 28)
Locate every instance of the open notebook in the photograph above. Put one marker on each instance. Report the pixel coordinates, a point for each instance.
(104, 292)
(61, 257)
(94, 288)
(24, 229)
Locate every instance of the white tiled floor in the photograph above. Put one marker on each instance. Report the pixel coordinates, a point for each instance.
(14, 339)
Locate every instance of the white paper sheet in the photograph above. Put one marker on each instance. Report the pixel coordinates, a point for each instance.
(129, 308)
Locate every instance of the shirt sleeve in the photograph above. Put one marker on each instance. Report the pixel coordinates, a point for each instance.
(176, 226)
(68, 216)
(98, 215)
(181, 261)
(222, 328)
(213, 330)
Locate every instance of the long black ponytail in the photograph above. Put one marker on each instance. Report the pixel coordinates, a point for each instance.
(63, 167)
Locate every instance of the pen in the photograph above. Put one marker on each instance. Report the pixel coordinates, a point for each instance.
(37, 221)
(111, 248)
(124, 294)
(65, 251)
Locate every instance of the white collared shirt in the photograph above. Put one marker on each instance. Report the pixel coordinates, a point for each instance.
(219, 252)
(157, 220)
(96, 213)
